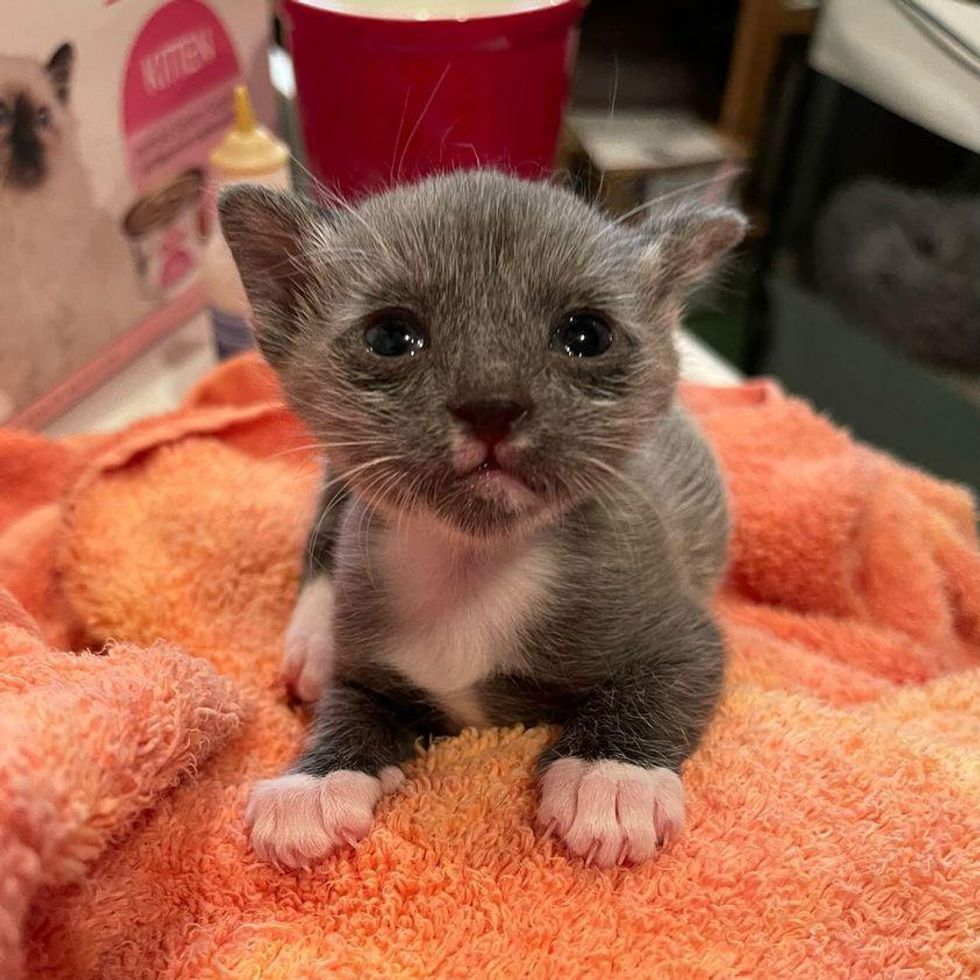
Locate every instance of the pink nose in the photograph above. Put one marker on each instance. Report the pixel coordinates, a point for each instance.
(491, 420)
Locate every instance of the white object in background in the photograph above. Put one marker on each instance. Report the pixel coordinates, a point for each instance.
(154, 383)
(918, 58)
(647, 140)
(281, 72)
(700, 364)
(248, 153)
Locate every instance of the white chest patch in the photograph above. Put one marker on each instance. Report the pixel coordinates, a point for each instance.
(460, 610)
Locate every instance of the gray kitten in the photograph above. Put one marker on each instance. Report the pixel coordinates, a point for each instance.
(521, 524)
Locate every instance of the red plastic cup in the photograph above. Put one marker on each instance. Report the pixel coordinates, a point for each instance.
(385, 100)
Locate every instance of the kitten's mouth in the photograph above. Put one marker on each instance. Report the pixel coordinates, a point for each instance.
(489, 465)
(496, 481)
(492, 480)
(492, 467)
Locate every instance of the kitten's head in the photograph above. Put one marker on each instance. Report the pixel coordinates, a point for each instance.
(474, 348)
(34, 117)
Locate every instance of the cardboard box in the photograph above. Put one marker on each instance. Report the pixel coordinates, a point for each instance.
(108, 110)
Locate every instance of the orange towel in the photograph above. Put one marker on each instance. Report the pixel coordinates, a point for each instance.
(88, 742)
(834, 808)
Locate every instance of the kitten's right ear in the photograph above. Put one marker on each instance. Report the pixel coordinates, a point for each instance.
(271, 236)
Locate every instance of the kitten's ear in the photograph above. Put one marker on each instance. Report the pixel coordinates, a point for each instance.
(59, 71)
(686, 243)
(271, 236)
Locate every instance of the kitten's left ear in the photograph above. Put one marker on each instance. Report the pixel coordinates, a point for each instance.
(688, 242)
(59, 70)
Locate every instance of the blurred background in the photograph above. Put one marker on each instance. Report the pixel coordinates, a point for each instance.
(849, 130)
(854, 128)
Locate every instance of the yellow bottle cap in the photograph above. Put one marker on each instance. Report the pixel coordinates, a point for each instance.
(248, 149)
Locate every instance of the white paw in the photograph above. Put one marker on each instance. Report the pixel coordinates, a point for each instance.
(611, 812)
(308, 663)
(297, 819)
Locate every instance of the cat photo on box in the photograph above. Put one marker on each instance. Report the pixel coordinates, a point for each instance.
(50, 324)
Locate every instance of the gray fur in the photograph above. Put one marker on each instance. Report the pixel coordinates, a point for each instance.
(629, 505)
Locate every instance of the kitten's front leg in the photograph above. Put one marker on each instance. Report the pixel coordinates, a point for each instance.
(610, 784)
(308, 663)
(328, 798)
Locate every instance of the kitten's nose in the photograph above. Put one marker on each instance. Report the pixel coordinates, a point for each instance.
(491, 420)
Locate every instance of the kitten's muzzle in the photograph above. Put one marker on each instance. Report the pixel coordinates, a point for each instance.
(492, 420)
(484, 455)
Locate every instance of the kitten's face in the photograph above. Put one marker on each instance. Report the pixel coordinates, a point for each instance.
(474, 348)
(34, 117)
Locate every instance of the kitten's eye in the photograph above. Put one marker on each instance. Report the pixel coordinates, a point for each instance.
(395, 333)
(582, 334)
(43, 116)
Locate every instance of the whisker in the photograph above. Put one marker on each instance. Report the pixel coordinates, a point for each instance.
(418, 122)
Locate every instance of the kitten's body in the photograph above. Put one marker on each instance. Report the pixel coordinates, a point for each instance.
(568, 583)
(469, 625)
(66, 281)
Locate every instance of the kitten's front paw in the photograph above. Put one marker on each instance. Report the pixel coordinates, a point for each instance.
(611, 812)
(308, 663)
(295, 820)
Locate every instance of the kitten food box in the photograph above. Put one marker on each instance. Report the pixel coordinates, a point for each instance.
(108, 111)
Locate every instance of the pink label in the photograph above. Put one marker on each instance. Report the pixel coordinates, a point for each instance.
(176, 105)
(177, 92)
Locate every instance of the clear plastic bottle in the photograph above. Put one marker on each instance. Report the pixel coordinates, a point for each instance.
(248, 153)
